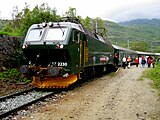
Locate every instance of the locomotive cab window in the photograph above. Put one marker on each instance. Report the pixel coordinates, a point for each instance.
(76, 36)
(56, 34)
(35, 34)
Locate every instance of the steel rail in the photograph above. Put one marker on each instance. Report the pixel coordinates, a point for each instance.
(16, 94)
(15, 110)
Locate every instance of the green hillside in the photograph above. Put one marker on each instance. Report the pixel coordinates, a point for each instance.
(136, 31)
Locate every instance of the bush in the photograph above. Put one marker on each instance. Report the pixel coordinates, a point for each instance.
(13, 76)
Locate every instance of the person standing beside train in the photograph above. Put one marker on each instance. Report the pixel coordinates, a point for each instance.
(140, 59)
(146, 60)
(149, 61)
(143, 62)
(136, 61)
(153, 62)
(116, 59)
(129, 62)
(124, 62)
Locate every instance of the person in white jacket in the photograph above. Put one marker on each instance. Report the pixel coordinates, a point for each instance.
(124, 62)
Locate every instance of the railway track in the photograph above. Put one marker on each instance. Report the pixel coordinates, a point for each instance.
(11, 104)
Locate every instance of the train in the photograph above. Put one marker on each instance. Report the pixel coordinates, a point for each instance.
(124, 52)
(60, 53)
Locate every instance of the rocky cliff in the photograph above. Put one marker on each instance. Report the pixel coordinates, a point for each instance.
(8, 48)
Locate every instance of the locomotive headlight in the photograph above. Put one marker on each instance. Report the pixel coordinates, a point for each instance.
(24, 46)
(61, 46)
(53, 71)
(44, 24)
(50, 24)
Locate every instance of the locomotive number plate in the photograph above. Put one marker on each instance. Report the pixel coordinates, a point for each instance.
(59, 64)
(62, 63)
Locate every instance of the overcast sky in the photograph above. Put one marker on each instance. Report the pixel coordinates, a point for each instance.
(114, 10)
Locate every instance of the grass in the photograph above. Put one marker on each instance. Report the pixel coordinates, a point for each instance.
(154, 74)
(144, 74)
(9, 34)
(141, 78)
(155, 117)
(112, 74)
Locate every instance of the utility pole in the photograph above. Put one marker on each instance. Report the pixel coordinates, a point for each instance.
(96, 27)
(151, 47)
(128, 45)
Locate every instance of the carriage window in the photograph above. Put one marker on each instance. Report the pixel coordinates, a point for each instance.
(100, 38)
(76, 36)
(56, 34)
(34, 34)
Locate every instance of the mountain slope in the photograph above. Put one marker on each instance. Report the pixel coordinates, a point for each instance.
(141, 30)
(152, 22)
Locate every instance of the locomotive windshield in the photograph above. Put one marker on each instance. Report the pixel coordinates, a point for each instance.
(56, 34)
(34, 34)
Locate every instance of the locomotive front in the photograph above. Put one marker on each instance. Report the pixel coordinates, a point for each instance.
(48, 55)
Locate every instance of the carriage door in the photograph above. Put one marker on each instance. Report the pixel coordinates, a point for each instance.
(83, 50)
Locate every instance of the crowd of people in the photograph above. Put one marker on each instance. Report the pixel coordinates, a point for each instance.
(148, 60)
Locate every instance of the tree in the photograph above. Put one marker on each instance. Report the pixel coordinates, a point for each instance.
(139, 46)
(99, 27)
(38, 15)
(24, 19)
(71, 12)
(157, 49)
(87, 23)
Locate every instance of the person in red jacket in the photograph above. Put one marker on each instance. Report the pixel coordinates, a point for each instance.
(136, 61)
(149, 61)
(116, 59)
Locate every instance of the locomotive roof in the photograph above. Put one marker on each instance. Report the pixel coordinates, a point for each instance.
(68, 24)
(77, 26)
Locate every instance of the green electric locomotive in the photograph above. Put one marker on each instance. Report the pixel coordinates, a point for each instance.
(60, 53)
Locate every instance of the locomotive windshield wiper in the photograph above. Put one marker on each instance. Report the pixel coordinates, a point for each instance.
(60, 28)
(40, 33)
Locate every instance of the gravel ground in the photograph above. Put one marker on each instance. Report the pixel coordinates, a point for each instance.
(120, 97)
(11, 88)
